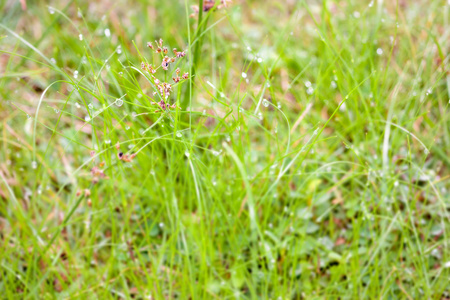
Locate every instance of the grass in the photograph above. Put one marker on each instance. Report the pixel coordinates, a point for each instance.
(309, 158)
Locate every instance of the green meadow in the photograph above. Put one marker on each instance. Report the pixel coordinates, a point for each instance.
(186, 149)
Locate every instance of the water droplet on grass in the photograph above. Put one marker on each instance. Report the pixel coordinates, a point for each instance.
(87, 118)
(51, 10)
(107, 142)
(260, 116)
(80, 36)
(91, 106)
(28, 116)
(56, 110)
(119, 102)
(75, 74)
(34, 164)
(179, 134)
(265, 103)
(186, 153)
(119, 50)
(244, 75)
(379, 51)
(53, 60)
(371, 4)
(107, 32)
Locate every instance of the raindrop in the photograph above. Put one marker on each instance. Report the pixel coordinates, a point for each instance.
(53, 60)
(333, 84)
(141, 131)
(127, 127)
(107, 142)
(379, 51)
(91, 106)
(268, 84)
(119, 102)
(34, 164)
(107, 32)
(216, 153)
(56, 110)
(204, 112)
(80, 36)
(228, 139)
(260, 116)
(75, 74)
(133, 114)
(120, 73)
(244, 75)
(87, 118)
(242, 110)
(161, 225)
(186, 153)
(28, 116)
(179, 135)
(77, 105)
(308, 84)
(429, 91)
(84, 60)
(371, 4)
(51, 10)
(259, 60)
(265, 103)
(310, 90)
(130, 146)
(119, 50)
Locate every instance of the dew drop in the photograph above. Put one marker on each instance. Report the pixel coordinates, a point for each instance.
(141, 131)
(186, 153)
(91, 106)
(75, 74)
(244, 75)
(119, 50)
(107, 142)
(265, 103)
(34, 164)
(310, 90)
(161, 225)
(371, 4)
(87, 118)
(56, 110)
(51, 10)
(107, 32)
(80, 36)
(179, 134)
(379, 51)
(260, 116)
(119, 102)
(53, 60)
(28, 116)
